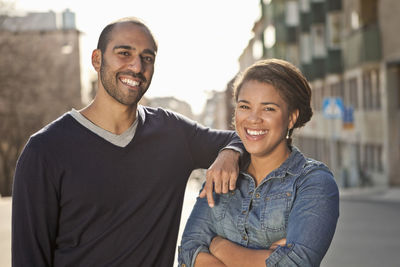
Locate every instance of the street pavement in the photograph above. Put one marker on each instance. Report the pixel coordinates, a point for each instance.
(367, 235)
(5, 232)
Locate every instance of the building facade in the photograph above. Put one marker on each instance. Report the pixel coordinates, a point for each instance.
(39, 79)
(350, 53)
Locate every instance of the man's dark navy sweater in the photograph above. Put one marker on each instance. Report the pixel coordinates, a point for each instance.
(79, 200)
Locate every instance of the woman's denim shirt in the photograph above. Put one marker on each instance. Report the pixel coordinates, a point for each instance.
(298, 201)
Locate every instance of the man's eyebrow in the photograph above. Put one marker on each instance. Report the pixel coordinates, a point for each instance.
(150, 51)
(123, 47)
(128, 47)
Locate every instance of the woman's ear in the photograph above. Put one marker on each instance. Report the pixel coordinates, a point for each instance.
(293, 118)
(96, 59)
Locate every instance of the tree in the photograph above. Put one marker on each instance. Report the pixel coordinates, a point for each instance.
(37, 84)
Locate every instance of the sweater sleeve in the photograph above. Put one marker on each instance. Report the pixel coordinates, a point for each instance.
(205, 143)
(34, 209)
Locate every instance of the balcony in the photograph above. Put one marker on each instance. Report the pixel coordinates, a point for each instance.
(305, 22)
(334, 63)
(333, 5)
(362, 46)
(318, 12)
(318, 68)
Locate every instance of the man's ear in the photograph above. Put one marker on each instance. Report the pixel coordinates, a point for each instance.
(293, 118)
(96, 59)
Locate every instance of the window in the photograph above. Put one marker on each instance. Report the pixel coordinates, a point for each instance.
(352, 93)
(292, 13)
(316, 98)
(305, 6)
(339, 149)
(258, 49)
(305, 48)
(371, 91)
(369, 13)
(318, 40)
(269, 36)
(333, 29)
(373, 157)
(398, 86)
(337, 90)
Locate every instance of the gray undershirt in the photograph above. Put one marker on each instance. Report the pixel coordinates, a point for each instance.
(121, 140)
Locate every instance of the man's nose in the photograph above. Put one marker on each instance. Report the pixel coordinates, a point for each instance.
(136, 65)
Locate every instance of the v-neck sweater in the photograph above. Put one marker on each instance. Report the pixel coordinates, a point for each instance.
(80, 200)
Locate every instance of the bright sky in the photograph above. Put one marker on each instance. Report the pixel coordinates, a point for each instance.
(199, 41)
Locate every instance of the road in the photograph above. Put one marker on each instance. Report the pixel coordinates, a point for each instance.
(367, 235)
(5, 232)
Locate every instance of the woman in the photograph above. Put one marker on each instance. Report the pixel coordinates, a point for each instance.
(285, 207)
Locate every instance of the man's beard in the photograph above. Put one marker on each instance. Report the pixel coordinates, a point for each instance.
(110, 84)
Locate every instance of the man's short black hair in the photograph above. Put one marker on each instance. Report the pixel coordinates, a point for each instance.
(105, 34)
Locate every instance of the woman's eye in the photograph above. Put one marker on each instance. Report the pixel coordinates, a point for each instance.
(269, 109)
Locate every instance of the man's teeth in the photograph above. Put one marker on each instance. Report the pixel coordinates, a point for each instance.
(130, 82)
(254, 132)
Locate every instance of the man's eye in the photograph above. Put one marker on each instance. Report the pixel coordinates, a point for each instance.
(269, 109)
(148, 59)
(243, 107)
(124, 53)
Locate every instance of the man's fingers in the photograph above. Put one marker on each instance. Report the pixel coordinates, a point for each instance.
(232, 181)
(217, 185)
(210, 198)
(203, 193)
(225, 182)
(208, 190)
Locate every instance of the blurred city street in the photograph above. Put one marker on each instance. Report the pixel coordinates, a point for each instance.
(367, 235)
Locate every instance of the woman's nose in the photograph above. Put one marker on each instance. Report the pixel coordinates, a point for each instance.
(254, 117)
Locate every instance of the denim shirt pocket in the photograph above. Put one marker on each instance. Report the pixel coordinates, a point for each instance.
(275, 212)
(221, 203)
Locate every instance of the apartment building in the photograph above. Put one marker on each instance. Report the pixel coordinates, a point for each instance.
(350, 53)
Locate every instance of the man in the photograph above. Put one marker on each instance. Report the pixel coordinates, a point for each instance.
(104, 186)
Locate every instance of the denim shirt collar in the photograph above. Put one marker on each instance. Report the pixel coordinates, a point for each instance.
(293, 165)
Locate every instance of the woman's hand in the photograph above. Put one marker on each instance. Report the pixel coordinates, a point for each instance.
(281, 242)
(216, 243)
(232, 254)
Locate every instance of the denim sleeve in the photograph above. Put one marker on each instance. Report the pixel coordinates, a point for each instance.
(311, 223)
(198, 232)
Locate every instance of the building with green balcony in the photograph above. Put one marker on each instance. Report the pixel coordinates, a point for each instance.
(348, 50)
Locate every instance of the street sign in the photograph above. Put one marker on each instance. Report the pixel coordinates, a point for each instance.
(332, 108)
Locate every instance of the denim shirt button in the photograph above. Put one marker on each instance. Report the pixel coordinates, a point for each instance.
(243, 212)
(245, 238)
(183, 265)
(251, 192)
(258, 195)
